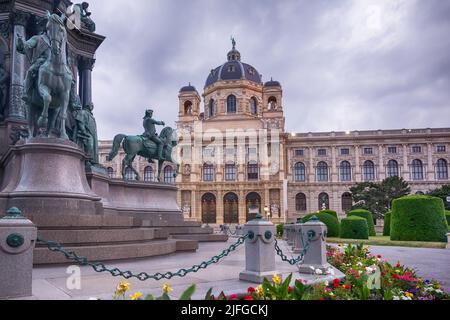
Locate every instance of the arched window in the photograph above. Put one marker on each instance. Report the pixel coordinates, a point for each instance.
(252, 170)
(300, 202)
(110, 172)
(253, 105)
(417, 170)
(272, 104)
(188, 108)
(148, 174)
(442, 169)
(230, 171)
(231, 104)
(299, 172)
(347, 201)
(129, 174)
(368, 171)
(345, 171)
(322, 171)
(392, 168)
(324, 201)
(211, 108)
(169, 175)
(208, 172)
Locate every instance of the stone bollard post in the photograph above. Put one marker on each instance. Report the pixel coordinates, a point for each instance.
(259, 251)
(284, 237)
(17, 241)
(239, 231)
(316, 255)
(298, 235)
(448, 240)
(290, 235)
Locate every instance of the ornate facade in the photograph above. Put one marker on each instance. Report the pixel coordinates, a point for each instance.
(236, 158)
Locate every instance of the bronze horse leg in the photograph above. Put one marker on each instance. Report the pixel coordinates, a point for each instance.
(42, 123)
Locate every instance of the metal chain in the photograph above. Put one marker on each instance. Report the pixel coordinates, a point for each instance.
(115, 272)
(297, 260)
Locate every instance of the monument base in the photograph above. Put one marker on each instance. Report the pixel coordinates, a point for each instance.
(308, 268)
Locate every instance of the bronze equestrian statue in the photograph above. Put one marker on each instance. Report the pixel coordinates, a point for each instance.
(148, 145)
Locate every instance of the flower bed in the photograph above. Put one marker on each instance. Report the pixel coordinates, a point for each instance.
(368, 277)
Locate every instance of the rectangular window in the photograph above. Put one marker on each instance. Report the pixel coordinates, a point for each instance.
(368, 150)
(440, 148)
(345, 151)
(322, 152)
(208, 173)
(252, 151)
(252, 171)
(299, 152)
(208, 152)
(230, 172)
(392, 150)
(416, 149)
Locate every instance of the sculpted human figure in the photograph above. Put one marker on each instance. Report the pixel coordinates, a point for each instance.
(86, 16)
(150, 131)
(85, 133)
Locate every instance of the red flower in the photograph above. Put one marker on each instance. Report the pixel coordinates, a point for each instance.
(347, 287)
(248, 298)
(336, 283)
(398, 265)
(394, 276)
(290, 289)
(233, 296)
(251, 290)
(321, 299)
(379, 256)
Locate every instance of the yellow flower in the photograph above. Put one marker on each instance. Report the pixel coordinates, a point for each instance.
(136, 296)
(122, 287)
(276, 279)
(259, 291)
(409, 294)
(166, 288)
(398, 271)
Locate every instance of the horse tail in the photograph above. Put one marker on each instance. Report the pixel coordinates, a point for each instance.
(115, 147)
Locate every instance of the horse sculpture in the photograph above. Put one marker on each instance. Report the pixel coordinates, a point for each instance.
(49, 80)
(139, 145)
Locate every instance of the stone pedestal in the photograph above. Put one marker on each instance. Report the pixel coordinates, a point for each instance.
(17, 241)
(298, 238)
(316, 256)
(448, 240)
(259, 251)
(47, 176)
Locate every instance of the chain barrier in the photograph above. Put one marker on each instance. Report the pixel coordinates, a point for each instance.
(302, 254)
(142, 276)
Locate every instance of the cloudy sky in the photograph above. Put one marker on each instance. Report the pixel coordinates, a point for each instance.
(343, 64)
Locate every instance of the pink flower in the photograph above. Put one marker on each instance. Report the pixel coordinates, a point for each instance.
(233, 296)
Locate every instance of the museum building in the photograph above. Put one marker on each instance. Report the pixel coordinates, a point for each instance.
(236, 157)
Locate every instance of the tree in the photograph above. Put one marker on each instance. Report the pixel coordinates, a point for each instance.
(442, 192)
(377, 197)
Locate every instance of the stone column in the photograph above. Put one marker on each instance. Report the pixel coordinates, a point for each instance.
(334, 171)
(381, 169)
(17, 107)
(405, 170)
(85, 67)
(430, 171)
(357, 172)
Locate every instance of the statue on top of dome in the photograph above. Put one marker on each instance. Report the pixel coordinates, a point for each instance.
(233, 42)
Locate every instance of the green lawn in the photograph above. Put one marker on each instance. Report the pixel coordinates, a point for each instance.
(385, 241)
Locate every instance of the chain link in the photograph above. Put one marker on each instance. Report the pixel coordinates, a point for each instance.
(300, 258)
(116, 272)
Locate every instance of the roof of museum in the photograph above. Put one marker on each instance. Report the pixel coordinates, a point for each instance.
(233, 69)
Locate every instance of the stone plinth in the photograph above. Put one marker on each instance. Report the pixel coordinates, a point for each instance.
(47, 176)
(17, 240)
(144, 200)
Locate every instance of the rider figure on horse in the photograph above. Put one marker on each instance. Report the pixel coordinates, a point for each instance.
(150, 131)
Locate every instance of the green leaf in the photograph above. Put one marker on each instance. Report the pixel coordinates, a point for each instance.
(164, 296)
(222, 296)
(209, 295)
(149, 297)
(187, 294)
(284, 289)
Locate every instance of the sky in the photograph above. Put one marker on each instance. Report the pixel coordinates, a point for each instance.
(343, 64)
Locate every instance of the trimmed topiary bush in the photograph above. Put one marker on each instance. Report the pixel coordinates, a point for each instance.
(447, 215)
(280, 230)
(366, 214)
(354, 227)
(332, 212)
(418, 218)
(333, 227)
(387, 224)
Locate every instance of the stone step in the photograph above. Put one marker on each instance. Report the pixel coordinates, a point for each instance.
(47, 221)
(115, 251)
(202, 237)
(102, 236)
(188, 230)
(150, 223)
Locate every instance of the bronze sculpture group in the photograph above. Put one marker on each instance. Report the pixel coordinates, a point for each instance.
(54, 107)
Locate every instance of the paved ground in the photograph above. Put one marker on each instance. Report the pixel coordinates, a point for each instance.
(51, 282)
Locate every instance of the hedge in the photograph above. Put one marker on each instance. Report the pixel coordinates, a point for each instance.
(280, 230)
(387, 224)
(354, 227)
(331, 222)
(332, 212)
(447, 215)
(366, 214)
(418, 218)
